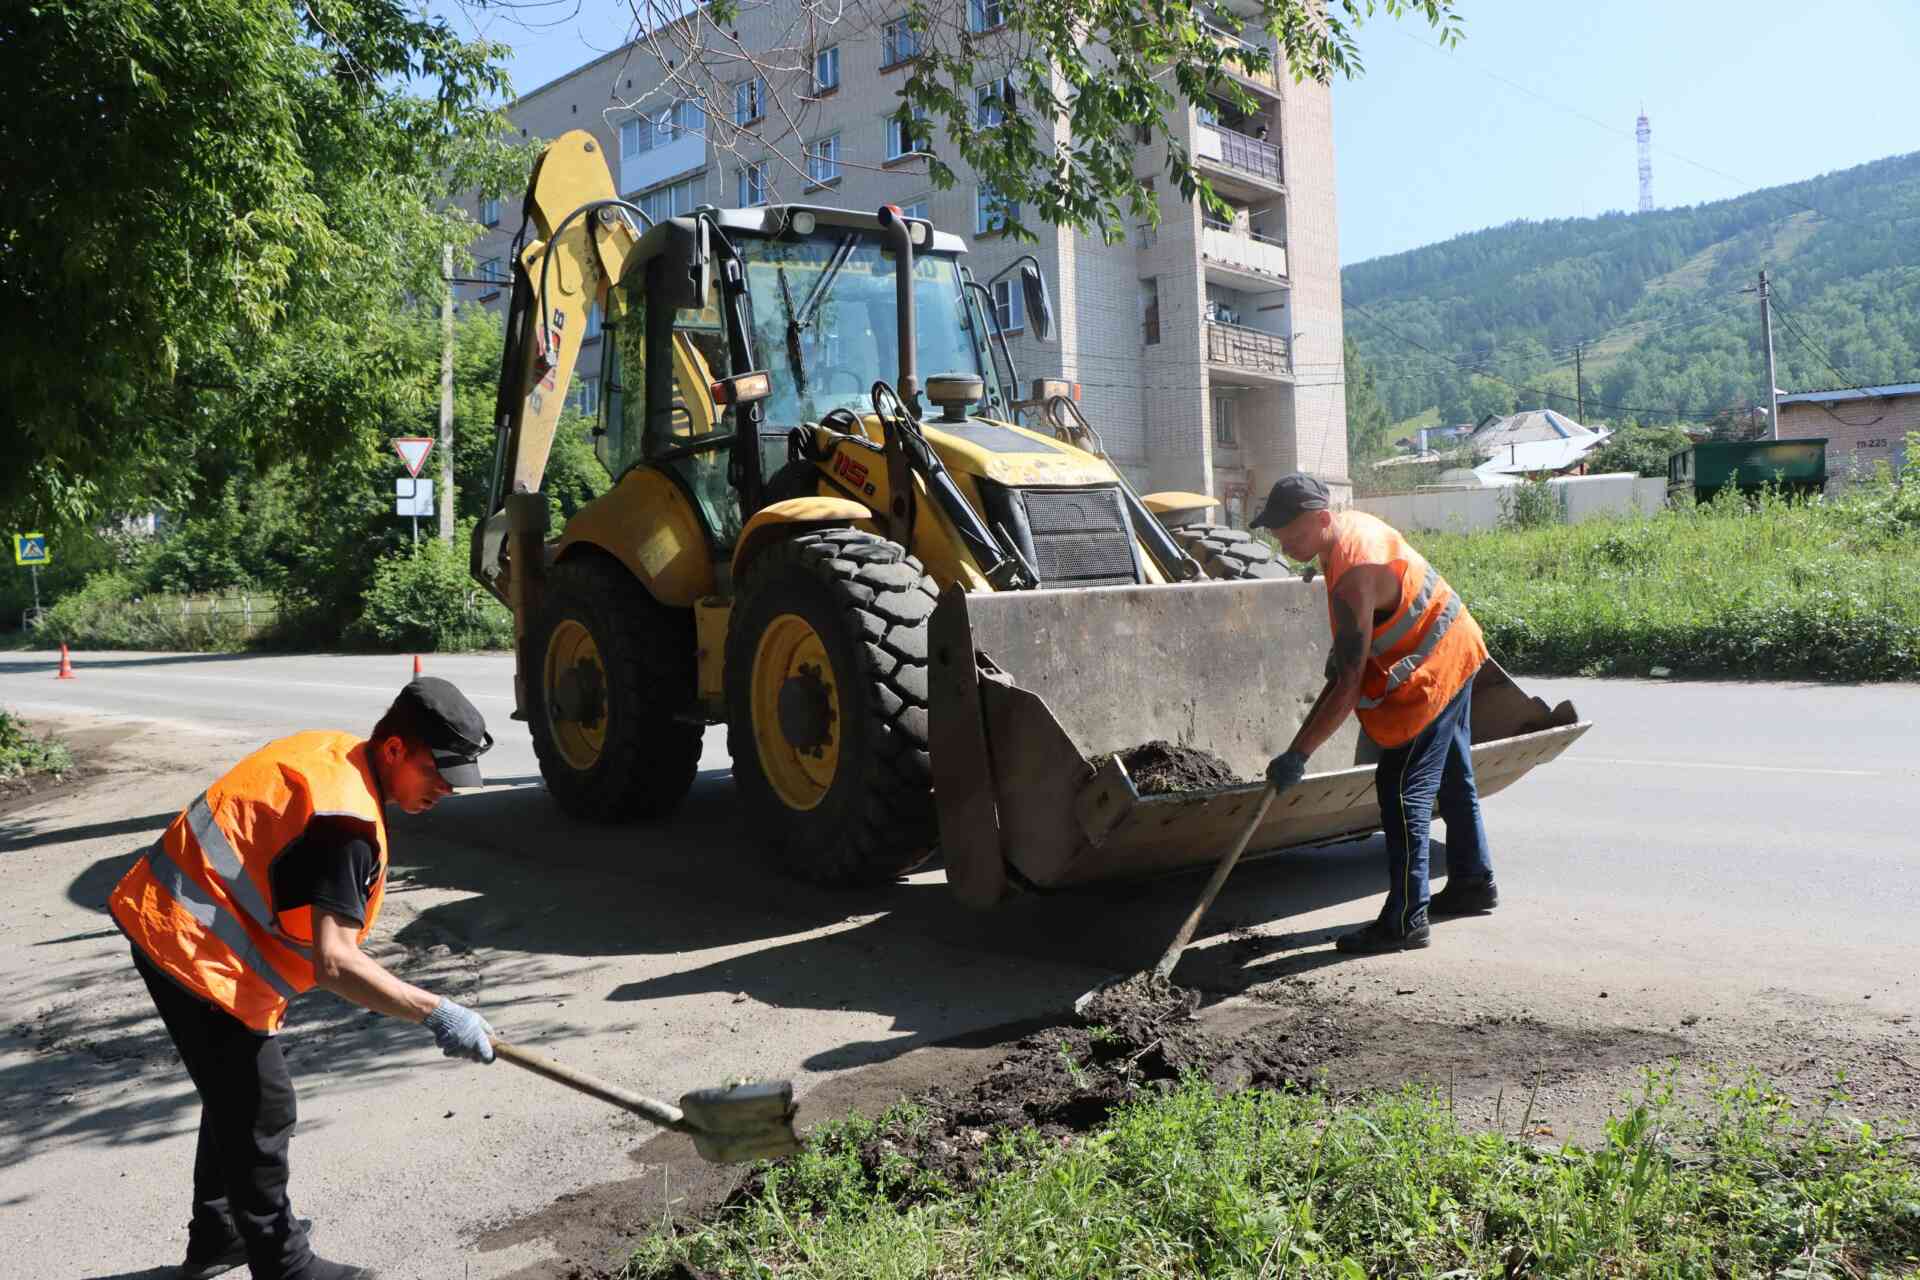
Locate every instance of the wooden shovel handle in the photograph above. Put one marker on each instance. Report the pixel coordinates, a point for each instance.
(658, 1112)
(1212, 891)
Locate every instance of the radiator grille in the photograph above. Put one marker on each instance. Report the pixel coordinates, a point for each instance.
(1080, 537)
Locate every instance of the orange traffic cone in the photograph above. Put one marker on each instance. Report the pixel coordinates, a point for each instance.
(416, 666)
(66, 665)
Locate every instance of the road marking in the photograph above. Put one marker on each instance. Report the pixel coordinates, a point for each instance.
(286, 684)
(1712, 764)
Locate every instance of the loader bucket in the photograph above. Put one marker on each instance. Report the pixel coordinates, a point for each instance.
(1027, 689)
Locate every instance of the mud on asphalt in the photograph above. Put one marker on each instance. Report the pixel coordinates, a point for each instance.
(1523, 1075)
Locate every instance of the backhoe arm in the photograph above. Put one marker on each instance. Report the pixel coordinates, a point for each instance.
(574, 240)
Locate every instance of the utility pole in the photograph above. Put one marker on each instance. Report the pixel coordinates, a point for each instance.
(1579, 392)
(446, 401)
(1766, 332)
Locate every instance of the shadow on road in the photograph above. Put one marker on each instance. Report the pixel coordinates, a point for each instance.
(545, 884)
(17, 836)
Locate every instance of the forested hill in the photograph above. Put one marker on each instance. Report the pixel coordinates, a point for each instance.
(1654, 299)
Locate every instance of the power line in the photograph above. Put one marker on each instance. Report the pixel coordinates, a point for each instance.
(1676, 412)
(1846, 379)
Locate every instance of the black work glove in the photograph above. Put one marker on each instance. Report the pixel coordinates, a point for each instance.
(1285, 770)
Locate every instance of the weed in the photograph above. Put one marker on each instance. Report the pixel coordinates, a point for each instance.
(23, 753)
(1192, 1183)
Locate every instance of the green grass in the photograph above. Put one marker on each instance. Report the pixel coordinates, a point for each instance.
(1297, 1185)
(1779, 589)
(24, 754)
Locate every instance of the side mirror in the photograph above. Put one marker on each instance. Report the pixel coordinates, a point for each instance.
(1039, 302)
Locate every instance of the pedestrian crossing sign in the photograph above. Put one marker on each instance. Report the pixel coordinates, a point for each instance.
(31, 549)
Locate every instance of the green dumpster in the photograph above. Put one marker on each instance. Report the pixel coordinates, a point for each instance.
(1796, 466)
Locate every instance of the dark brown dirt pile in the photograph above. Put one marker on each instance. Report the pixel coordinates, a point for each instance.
(1162, 768)
(1066, 1080)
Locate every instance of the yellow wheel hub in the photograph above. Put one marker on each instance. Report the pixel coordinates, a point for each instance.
(576, 689)
(796, 711)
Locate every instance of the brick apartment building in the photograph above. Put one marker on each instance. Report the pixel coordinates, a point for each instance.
(1208, 351)
(1862, 426)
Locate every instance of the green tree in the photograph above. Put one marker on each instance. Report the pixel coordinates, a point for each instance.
(1367, 420)
(213, 219)
(1641, 450)
(1090, 80)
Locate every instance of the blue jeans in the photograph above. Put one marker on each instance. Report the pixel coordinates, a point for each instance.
(1428, 777)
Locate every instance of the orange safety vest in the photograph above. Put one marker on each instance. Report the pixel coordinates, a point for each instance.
(198, 902)
(1425, 652)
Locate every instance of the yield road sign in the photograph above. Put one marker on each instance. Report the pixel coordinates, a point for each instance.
(31, 548)
(413, 451)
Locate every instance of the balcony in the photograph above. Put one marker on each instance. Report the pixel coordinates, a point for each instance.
(667, 159)
(1267, 81)
(1236, 347)
(1246, 252)
(1237, 154)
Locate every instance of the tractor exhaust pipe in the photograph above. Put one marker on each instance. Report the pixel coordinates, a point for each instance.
(894, 224)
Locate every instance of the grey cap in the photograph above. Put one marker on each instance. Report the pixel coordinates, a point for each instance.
(1291, 494)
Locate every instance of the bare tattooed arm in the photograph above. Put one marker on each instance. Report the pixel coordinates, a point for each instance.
(1362, 593)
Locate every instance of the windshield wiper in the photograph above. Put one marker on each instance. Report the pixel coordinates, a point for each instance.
(803, 317)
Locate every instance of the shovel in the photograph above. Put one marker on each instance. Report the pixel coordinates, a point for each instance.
(730, 1125)
(1224, 868)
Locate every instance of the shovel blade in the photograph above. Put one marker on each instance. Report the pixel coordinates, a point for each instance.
(742, 1122)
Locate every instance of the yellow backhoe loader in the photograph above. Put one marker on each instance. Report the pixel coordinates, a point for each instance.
(920, 627)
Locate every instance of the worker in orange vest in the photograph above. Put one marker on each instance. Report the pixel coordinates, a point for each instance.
(1405, 651)
(267, 886)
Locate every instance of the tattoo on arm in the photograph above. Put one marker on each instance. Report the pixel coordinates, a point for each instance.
(1349, 641)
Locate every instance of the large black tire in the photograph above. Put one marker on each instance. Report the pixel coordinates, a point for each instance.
(1231, 554)
(649, 743)
(867, 603)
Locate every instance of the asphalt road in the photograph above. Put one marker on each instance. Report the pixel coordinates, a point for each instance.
(1788, 808)
(1710, 855)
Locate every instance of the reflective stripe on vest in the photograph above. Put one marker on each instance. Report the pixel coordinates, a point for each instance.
(221, 924)
(1394, 634)
(1400, 672)
(234, 879)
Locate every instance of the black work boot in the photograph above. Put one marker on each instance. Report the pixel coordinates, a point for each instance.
(1465, 898)
(1376, 938)
(203, 1264)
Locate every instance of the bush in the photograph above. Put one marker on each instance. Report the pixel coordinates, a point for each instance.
(1530, 504)
(111, 612)
(421, 599)
(23, 753)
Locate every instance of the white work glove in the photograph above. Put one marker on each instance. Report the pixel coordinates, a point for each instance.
(460, 1032)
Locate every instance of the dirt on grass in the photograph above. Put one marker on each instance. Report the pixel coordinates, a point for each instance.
(1162, 768)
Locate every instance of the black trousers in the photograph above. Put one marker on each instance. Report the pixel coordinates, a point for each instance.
(246, 1123)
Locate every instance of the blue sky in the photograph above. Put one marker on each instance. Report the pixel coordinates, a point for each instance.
(1531, 115)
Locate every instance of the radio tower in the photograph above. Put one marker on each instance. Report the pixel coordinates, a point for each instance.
(1643, 134)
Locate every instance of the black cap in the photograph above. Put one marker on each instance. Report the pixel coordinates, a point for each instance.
(1292, 494)
(450, 726)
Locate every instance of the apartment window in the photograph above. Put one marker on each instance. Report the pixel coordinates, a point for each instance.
(823, 159)
(898, 42)
(985, 15)
(490, 210)
(918, 209)
(594, 325)
(826, 69)
(1223, 434)
(991, 213)
(905, 137)
(749, 101)
(1150, 310)
(688, 118)
(673, 200)
(490, 269)
(584, 396)
(753, 185)
(1009, 305)
(990, 102)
